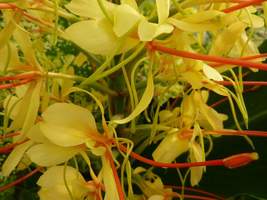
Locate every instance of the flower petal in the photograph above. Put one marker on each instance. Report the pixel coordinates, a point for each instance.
(70, 116)
(14, 158)
(163, 7)
(125, 19)
(88, 8)
(212, 73)
(196, 156)
(147, 31)
(94, 36)
(64, 136)
(49, 154)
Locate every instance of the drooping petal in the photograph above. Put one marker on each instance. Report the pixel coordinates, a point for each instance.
(125, 19)
(196, 156)
(14, 158)
(131, 3)
(50, 154)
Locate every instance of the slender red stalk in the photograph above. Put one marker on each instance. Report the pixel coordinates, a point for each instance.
(8, 148)
(12, 85)
(218, 162)
(237, 133)
(20, 180)
(115, 174)
(263, 55)
(9, 135)
(242, 5)
(185, 54)
(188, 196)
(253, 83)
(19, 76)
(194, 190)
(15, 7)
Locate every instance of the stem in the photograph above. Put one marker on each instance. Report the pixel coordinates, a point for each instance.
(185, 54)
(20, 180)
(8, 148)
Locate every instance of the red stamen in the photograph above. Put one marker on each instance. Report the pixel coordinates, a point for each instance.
(237, 133)
(218, 162)
(240, 160)
(9, 135)
(263, 55)
(20, 76)
(242, 5)
(195, 190)
(13, 85)
(115, 174)
(188, 196)
(20, 180)
(8, 148)
(253, 83)
(185, 54)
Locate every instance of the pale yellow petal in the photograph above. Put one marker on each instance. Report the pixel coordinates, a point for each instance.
(71, 116)
(14, 158)
(163, 8)
(89, 8)
(196, 156)
(170, 148)
(212, 73)
(94, 36)
(50, 154)
(125, 19)
(64, 136)
(147, 31)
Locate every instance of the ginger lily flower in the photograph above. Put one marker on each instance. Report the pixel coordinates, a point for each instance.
(105, 29)
(64, 183)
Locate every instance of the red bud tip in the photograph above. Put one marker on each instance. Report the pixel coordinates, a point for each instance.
(240, 160)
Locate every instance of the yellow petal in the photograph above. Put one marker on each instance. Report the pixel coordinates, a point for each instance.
(71, 116)
(212, 73)
(88, 8)
(144, 102)
(55, 176)
(196, 156)
(125, 19)
(14, 158)
(147, 31)
(131, 3)
(163, 7)
(35, 134)
(156, 197)
(170, 148)
(94, 36)
(64, 136)
(50, 154)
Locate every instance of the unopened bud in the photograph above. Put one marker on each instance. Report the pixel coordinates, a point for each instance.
(240, 160)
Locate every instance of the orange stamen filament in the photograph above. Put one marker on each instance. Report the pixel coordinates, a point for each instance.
(195, 190)
(20, 180)
(242, 5)
(185, 54)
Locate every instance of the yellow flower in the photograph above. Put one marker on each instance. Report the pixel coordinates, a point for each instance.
(54, 187)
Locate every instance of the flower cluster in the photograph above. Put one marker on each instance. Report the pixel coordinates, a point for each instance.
(148, 71)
